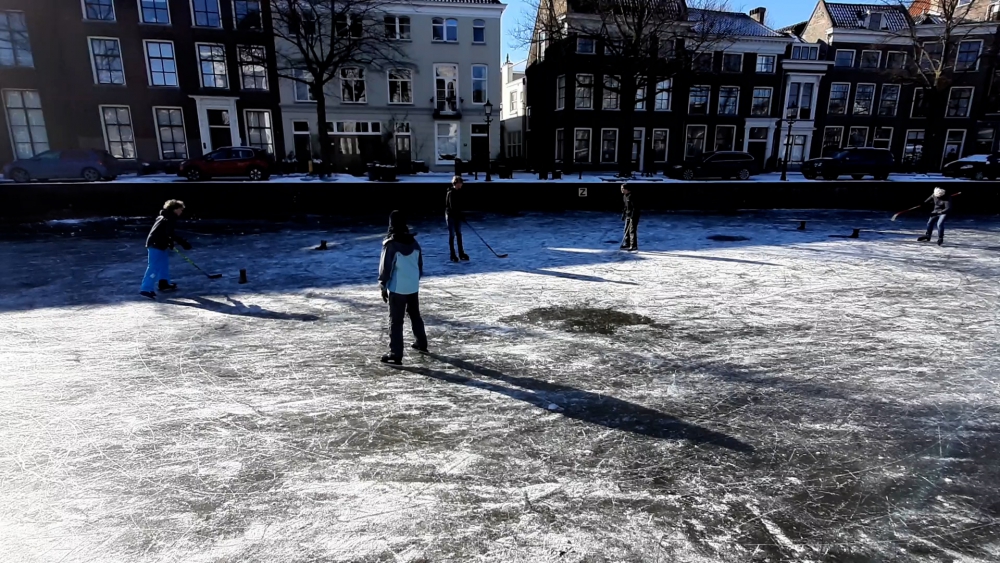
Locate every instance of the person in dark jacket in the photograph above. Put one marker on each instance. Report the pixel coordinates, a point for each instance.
(942, 206)
(399, 276)
(453, 216)
(161, 239)
(631, 217)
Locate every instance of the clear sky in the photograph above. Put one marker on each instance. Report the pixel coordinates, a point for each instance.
(779, 14)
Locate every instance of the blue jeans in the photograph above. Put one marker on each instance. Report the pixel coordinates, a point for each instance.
(158, 269)
(454, 232)
(939, 219)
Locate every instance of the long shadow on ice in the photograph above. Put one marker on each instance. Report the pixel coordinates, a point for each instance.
(238, 309)
(582, 405)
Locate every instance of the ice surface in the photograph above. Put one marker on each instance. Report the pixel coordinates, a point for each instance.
(791, 397)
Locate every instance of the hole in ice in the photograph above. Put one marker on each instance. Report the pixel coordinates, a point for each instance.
(581, 319)
(727, 238)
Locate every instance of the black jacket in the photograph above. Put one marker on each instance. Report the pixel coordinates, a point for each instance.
(942, 205)
(453, 203)
(162, 236)
(631, 206)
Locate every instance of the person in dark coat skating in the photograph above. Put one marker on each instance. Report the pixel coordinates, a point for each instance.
(399, 276)
(454, 214)
(942, 206)
(631, 217)
(161, 239)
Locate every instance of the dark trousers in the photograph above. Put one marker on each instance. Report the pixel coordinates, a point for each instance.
(454, 232)
(939, 220)
(631, 238)
(399, 306)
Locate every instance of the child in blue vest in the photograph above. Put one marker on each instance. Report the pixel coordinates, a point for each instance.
(399, 279)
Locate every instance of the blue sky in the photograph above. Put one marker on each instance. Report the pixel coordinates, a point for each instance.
(779, 14)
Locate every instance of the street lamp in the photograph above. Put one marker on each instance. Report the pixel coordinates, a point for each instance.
(790, 116)
(488, 108)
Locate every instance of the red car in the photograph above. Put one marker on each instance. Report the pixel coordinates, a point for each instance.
(243, 162)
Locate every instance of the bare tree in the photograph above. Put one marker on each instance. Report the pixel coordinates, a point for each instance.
(317, 40)
(645, 43)
(937, 60)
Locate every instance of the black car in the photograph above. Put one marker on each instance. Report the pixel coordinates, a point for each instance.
(975, 167)
(91, 165)
(857, 162)
(722, 164)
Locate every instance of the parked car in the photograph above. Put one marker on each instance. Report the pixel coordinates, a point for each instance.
(975, 167)
(88, 164)
(244, 162)
(855, 162)
(722, 164)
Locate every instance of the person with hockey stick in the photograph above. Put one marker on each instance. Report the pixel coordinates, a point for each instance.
(631, 217)
(399, 274)
(161, 239)
(942, 206)
(453, 216)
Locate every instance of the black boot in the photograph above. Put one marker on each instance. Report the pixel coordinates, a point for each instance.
(454, 257)
(940, 241)
(925, 238)
(418, 348)
(167, 286)
(149, 294)
(463, 256)
(389, 359)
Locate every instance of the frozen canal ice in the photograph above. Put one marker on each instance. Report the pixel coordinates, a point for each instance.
(790, 397)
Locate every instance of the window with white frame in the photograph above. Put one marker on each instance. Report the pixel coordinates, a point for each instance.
(154, 11)
(839, 94)
(857, 137)
(106, 56)
(895, 60)
(446, 142)
(397, 27)
(26, 122)
(352, 85)
(870, 60)
(446, 87)
(15, 47)
(661, 99)
(954, 142)
(765, 64)
(640, 95)
(729, 100)
(560, 92)
(889, 101)
(800, 96)
(610, 98)
(660, 144)
(253, 66)
(993, 11)
(358, 127)
(479, 86)
(968, 55)
(694, 144)
(118, 133)
(930, 55)
(698, 100)
(212, 63)
(303, 89)
(479, 31)
(260, 134)
(919, 107)
(514, 144)
(844, 58)
(732, 62)
(761, 102)
(913, 149)
(160, 63)
(959, 101)
(247, 14)
(170, 133)
(560, 145)
(882, 138)
(400, 86)
(348, 25)
(805, 52)
(586, 46)
(584, 91)
(581, 145)
(206, 13)
(99, 10)
(832, 138)
(725, 137)
(445, 30)
(609, 145)
(864, 98)
(543, 44)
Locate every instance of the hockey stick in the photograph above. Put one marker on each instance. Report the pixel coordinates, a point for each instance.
(210, 276)
(894, 217)
(484, 241)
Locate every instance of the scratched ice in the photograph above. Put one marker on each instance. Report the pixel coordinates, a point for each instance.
(789, 397)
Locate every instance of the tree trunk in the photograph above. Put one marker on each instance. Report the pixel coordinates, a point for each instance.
(325, 148)
(625, 126)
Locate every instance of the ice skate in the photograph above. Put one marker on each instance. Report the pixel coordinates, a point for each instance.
(167, 286)
(923, 239)
(149, 294)
(418, 348)
(391, 360)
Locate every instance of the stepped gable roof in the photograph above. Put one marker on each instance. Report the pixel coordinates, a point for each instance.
(852, 16)
(730, 23)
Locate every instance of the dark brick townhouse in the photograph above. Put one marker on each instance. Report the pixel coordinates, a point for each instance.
(144, 79)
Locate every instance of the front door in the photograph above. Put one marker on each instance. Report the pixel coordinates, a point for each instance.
(219, 129)
(403, 154)
(637, 148)
(480, 146)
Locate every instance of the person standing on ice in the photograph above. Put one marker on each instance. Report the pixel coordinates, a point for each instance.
(399, 276)
(161, 239)
(631, 217)
(942, 206)
(453, 216)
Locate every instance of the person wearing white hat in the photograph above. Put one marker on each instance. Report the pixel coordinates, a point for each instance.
(942, 206)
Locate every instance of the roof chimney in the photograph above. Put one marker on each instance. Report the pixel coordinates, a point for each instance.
(757, 14)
